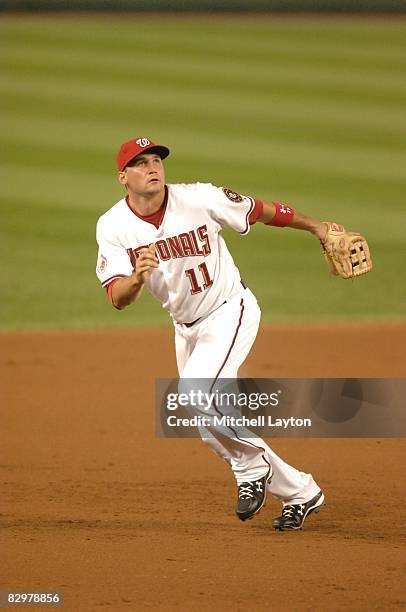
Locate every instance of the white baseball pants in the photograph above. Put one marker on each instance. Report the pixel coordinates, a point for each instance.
(214, 348)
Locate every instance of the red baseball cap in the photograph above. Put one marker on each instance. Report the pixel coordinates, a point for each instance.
(135, 147)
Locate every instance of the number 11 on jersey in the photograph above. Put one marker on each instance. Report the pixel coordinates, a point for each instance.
(194, 284)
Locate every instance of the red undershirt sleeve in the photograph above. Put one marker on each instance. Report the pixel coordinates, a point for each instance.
(109, 288)
(256, 212)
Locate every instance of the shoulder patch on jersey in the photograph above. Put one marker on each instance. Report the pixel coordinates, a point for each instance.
(232, 195)
(102, 265)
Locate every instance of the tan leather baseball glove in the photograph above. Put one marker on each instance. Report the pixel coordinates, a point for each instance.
(347, 253)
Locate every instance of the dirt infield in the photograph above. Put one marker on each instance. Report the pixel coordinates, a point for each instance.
(95, 506)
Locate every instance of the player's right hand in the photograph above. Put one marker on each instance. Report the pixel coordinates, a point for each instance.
(146, 262)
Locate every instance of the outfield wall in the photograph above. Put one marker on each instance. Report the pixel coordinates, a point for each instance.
(357, 6)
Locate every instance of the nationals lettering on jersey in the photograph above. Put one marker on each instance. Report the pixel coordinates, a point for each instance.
(188, 244)
(196, 272)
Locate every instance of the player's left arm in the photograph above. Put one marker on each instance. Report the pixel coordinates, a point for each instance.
(347, 253)
(273, 214)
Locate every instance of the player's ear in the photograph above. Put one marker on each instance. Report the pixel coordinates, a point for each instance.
(122, 178)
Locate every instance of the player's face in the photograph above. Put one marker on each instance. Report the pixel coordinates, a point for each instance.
(144, 175)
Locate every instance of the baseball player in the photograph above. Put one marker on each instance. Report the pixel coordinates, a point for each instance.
(167, 237)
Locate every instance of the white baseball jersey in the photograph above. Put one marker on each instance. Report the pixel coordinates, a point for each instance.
(196, 272)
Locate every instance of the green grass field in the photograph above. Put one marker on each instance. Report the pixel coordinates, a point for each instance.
(311, 111)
